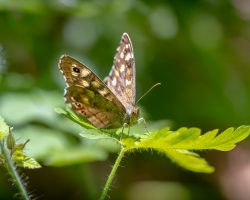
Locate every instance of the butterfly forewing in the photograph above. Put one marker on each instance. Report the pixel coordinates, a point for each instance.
(121, 79)
(89, 96)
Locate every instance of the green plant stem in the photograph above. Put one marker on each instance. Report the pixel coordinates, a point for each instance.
(112, 174)
(13, 172)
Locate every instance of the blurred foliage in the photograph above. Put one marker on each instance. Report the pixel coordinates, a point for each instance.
(198, 50)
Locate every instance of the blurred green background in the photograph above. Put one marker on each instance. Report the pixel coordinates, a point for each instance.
(198, 50)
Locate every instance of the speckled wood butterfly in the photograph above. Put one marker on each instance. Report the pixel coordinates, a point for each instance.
(109, 103)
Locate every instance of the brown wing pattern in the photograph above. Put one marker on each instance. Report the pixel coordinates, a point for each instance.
(98, 110)
(89, 96)
(121, 79)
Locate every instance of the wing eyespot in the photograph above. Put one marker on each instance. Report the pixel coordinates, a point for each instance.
(77, 70)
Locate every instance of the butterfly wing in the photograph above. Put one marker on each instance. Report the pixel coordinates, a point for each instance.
(121, 79)
(89, 96)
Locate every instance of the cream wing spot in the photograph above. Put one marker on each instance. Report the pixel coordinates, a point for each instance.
(74, 65)
(85, 73)
(75, 74)
(114, 81)
(129, 93)
(128, 71)
(127, 57)
(122, 55)
(119, 88)
(85, 83)
(103, 92)
(122, 69)
(128, 82)
(116, 72)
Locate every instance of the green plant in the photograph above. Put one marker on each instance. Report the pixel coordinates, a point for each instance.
(12, 156)
(177, 145)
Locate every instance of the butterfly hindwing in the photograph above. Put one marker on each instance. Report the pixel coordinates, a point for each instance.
(98, 110)
(121, 79)
(89, 96)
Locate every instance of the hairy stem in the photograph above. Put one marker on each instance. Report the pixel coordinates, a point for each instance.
(10, 166)
(112, 174)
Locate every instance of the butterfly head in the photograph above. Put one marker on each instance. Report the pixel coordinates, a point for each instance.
(132, 115)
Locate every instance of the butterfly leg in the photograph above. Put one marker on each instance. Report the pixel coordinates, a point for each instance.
(124, 126)
(144, 123)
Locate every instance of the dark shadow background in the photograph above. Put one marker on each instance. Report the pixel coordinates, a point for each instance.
(198, 50)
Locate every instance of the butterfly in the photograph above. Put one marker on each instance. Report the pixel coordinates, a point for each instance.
(109, 103)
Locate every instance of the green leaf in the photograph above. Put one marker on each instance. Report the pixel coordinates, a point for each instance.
(22, 160)
(178, 145)
(30, 163)
(189, 160)
(75, 118)
(225, 141)
(16, 151)
(95, 134)
(90, 131)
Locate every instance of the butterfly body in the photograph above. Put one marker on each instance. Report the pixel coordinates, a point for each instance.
(109, 103)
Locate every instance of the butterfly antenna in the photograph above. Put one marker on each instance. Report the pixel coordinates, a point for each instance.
(155, 85)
